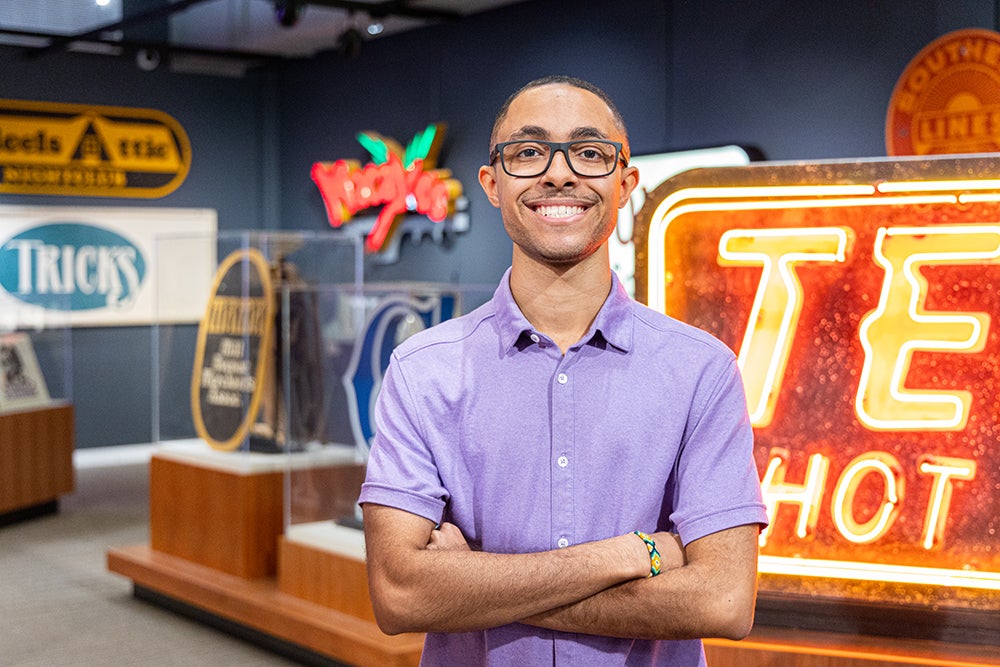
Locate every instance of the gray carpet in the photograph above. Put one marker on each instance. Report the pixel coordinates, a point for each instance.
(59, 605)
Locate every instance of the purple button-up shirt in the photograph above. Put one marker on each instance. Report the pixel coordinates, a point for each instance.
(642, 425)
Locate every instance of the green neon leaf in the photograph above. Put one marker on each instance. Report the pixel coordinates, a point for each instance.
(375, 147)
(419, 146)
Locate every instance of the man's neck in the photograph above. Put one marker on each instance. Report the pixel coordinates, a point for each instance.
(561, 302)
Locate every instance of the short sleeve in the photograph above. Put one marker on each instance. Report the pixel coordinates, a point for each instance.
(717, 485)
(401, 472)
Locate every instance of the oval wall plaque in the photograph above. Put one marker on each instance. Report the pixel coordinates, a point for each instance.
(233, 352)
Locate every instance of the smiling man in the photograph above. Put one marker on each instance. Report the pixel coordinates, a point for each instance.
(523, 449)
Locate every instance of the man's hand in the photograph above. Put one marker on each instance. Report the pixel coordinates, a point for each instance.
(447, 537)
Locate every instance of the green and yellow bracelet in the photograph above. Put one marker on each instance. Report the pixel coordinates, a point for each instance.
(654, 555)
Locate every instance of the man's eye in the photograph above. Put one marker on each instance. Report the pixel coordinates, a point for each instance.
(590, 153)
(528, 152)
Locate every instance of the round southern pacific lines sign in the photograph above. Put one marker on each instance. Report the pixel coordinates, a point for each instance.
(51, 148)
(234, 348)
(948, 98)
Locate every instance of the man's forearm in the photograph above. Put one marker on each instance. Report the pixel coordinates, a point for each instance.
(420, 589)
(699, 599)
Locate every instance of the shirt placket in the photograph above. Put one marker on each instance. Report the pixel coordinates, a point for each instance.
(561, 455)
(563, 466)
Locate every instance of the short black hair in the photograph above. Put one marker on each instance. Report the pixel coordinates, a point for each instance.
(568, 81)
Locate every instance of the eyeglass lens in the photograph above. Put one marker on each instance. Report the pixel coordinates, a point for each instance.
(586, 158)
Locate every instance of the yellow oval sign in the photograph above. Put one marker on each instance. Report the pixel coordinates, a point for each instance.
(948, 98)
(52, 148)
(233, 354)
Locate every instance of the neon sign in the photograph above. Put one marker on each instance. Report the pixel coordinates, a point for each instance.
(861, 301)
(399, 180)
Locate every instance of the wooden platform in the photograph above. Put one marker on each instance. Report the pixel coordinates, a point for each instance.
(217, 546)
(36, 458)
(260, 605)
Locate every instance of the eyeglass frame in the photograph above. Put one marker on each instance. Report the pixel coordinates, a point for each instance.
(557, 147)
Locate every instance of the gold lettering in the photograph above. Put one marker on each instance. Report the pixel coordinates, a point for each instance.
(807, 496)
(236, 316)
(943, 469)
(871, 463)
(901, 325)
(774, 315)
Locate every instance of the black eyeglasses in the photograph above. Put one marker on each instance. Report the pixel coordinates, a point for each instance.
(590, 158)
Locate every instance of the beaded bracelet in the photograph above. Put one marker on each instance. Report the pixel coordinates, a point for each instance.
(654, 555)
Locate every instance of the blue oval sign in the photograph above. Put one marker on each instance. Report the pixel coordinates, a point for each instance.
(71, 266)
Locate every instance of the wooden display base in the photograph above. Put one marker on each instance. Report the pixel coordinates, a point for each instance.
(325, 563)
(260, 605)
(217, 546)
(36, 461)
(216, 522)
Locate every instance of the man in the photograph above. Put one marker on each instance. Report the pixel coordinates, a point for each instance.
(519, 447)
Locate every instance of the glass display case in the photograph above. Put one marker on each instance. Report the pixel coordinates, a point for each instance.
(269, 351)
(359, 327)
(216, 369)
(36, 410)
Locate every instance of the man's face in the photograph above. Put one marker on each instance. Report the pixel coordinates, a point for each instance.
(558, 218)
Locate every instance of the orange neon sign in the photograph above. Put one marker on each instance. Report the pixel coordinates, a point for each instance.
(861, 300)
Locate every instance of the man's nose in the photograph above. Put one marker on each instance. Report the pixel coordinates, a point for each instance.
(559, 170)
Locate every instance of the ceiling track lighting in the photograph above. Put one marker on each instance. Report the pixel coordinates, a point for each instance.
(287, 12)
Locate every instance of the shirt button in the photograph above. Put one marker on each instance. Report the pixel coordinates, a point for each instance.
(562, 461)
(563, 378)
(563, 543)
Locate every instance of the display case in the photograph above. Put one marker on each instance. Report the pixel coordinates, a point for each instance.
(36, 409)
(322, 549)
(267, 355)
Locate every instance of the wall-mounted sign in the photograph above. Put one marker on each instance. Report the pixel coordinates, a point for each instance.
(101, 266)
(234, 352)
(52, 148)
(399, 180)
(948, 98)
(861, 300)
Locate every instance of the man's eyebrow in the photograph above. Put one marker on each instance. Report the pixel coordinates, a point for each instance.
(537, 132)
(587, 133)
(530, 131)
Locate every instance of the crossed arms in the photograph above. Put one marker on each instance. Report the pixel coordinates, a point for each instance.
(427, 580)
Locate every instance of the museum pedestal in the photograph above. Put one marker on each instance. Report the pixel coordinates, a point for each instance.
(36, 460)
(217, 547)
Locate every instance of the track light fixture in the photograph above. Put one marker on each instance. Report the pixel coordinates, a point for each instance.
(287, 12)
(349, 43)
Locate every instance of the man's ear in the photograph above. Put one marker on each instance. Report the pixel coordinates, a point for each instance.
(630, 179)
(488, 181)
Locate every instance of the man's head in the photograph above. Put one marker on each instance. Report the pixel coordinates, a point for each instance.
(569, 81)
(560, 187)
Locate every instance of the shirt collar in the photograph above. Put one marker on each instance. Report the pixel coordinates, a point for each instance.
(612, 324)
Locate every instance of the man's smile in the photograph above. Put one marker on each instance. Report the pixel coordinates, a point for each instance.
(559, 210)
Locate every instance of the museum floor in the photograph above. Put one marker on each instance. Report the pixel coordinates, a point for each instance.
(60, 606)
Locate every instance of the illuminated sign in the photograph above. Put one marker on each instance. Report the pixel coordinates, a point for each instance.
(399, 180)
(861, 300)
(948, 98)
(69, 149)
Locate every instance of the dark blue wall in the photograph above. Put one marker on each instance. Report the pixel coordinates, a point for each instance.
(798, 79)
(224, 119)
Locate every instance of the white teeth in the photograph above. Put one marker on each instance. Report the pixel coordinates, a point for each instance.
(560, 211)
